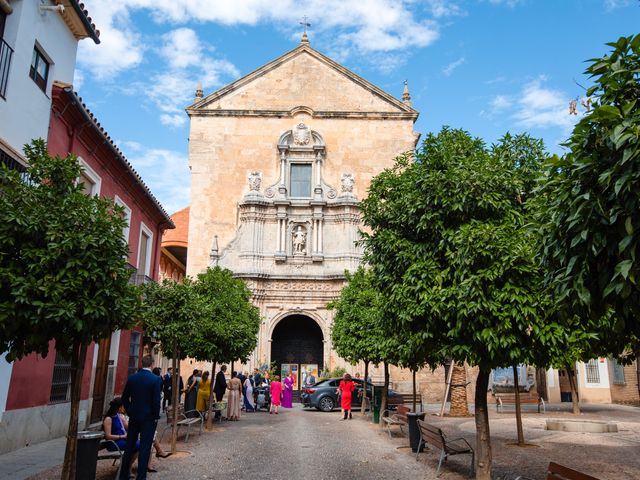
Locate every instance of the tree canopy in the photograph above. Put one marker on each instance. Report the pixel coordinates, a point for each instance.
(591, 230)
(453, 255)
(63, 268)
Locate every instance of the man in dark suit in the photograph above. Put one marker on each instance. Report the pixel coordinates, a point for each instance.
(141, 399)
(220, 386)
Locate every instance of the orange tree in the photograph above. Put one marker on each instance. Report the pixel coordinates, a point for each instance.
(453, 256)
(63, 269)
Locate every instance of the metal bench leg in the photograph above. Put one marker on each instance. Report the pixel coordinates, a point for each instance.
(443, 456)
(418, 450)
(186, 439)
(119, 468)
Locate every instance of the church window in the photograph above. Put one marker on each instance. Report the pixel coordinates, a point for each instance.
(300, 180)
(39, 70)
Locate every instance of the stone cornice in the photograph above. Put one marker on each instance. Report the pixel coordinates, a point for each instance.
(319, 114)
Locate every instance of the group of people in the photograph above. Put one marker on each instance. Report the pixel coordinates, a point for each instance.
(131, 420)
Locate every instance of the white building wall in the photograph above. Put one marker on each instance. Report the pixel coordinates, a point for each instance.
(5, 378)
(24, 115)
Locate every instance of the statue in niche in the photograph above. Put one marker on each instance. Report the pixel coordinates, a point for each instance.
(299, 241)
(255, 179)
(301, 134)
(347, 182)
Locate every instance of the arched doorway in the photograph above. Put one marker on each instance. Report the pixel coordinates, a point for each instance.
(297, 344)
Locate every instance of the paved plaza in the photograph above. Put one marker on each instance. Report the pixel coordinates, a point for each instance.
(308, 444)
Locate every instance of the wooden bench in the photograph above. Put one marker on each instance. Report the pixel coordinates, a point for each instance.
(184, 420)
(397, 419)
(556, 471)
(503, 399)
(407, 399)
(115, 455)
(435, 437)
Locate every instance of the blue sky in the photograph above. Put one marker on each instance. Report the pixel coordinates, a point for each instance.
(488, 66)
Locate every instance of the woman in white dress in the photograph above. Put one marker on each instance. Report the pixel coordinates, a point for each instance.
(248, 396)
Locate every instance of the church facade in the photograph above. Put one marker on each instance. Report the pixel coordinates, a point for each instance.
(279, 160)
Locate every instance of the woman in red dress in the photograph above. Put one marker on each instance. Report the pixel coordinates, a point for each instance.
(345, 389)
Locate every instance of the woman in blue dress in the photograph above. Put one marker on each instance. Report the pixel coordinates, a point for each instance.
(115, 426)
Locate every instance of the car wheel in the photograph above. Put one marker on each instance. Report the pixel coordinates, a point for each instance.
(326, 404)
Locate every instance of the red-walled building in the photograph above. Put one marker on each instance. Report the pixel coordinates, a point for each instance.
(37, 406)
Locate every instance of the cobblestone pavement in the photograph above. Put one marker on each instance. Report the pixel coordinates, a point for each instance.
(300, 444)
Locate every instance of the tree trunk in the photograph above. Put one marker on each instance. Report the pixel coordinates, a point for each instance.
(364, 392)
(78, 358)
(483, 436)
(413, 375)
(385, 390)
(638, 372)
(518, 406)
(541, 383)
(459, 404)
(175, 385)
(210, 414)
(575, 400)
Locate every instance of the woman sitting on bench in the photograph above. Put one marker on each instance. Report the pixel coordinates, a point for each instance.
(115, 428)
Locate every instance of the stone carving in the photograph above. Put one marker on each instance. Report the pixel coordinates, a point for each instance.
(301, 134)
(270, 192)
(255, 180)
(299, 241)
(347, 182)
(332, 193)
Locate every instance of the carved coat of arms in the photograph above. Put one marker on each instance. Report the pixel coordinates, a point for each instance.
(301, 134)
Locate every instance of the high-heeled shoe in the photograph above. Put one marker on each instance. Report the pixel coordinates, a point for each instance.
(151, 470)
(163, 455)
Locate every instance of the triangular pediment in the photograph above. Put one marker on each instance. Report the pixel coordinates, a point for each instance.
(301, 78)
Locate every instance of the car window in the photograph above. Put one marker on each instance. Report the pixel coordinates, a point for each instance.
(334, 383)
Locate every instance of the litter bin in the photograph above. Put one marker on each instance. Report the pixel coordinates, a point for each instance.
(376, 413)
(87, 454)
(414, 431)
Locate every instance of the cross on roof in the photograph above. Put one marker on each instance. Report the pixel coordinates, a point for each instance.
(304, 23)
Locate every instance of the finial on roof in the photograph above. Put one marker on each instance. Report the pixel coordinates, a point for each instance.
(214, 255)
(406, 96)
(199, 92)
(305, 24)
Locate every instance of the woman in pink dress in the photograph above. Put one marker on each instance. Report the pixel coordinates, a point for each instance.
(287, 394)
(276, 394)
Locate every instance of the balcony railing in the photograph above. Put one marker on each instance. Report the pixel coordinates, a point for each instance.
(6, 52)
(137, 279)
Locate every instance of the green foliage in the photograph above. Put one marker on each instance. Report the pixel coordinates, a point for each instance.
(451, 251)
(356, 333)
(63, 268)
(173, 312)
(230, 329)
(337, 372)
(592, 215)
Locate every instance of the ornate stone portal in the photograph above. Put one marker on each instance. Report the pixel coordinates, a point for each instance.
(278, 161)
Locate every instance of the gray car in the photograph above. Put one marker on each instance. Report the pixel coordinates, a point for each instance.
(323, 395)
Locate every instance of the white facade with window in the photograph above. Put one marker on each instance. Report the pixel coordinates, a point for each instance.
(24, 112)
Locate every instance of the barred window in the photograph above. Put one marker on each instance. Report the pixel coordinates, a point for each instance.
(618, 373)
(61, 383)
(134, 352)
(593, 371)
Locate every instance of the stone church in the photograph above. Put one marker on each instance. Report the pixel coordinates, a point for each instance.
(279, 160)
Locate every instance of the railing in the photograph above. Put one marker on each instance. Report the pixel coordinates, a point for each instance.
(137, 279)
(6, 52)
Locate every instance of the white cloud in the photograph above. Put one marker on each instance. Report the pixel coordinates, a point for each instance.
(449, 69)
(78, 79)
(444, 8)
(165, 172)
(508, 3)
(613, 4)
(353, 26)
(543, 107)
(501, 102)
